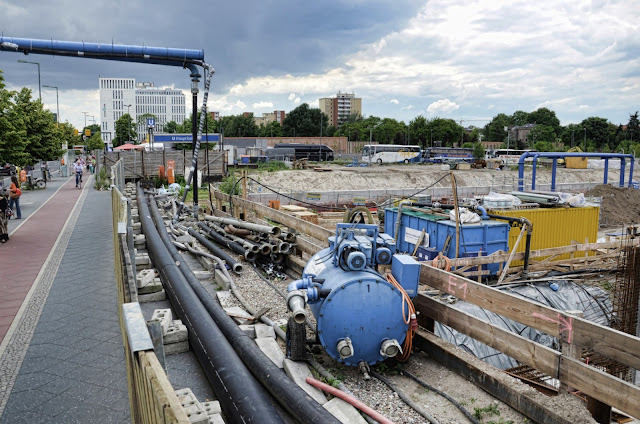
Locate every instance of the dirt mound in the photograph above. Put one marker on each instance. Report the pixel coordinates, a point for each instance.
(620, 206)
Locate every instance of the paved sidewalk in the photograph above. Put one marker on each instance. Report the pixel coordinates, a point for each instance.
(62, 360)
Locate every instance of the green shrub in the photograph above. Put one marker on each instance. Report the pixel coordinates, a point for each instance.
(228, 184)
(272, 166)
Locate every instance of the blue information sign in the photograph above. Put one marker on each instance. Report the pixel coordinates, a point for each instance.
(151, 122)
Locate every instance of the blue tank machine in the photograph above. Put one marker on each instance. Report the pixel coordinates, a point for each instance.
(359, 313)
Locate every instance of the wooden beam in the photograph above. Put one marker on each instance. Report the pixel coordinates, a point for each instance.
(602, 386)
(522, 349)
(520, 397)
(609, 342)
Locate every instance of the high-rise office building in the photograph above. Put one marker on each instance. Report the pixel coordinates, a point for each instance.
(340, 107)
(123, 95)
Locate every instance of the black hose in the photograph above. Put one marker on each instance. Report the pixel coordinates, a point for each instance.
(443, 394)
(405, 399)
(235, 265)
(221, 240)
(292, 398)
(241, 397)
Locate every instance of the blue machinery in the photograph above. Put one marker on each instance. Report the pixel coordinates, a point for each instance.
(559, 155)
(361, 317)
(186, 58)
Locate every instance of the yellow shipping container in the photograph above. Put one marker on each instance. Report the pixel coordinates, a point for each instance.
(554, 227)
(576, 163)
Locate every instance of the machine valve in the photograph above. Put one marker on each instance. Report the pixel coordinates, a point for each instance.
(390, 348)
(345, 348)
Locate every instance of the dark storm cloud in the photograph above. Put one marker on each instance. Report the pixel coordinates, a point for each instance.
(240, 39)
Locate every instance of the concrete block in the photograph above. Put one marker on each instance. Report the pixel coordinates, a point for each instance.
(216, 419)
(152, 287)
(176, 333)
(173, 348)
(212, 408)
(221, 280)
(344, 412)
(192, 407)
(264, 331)
(249, 330)
(137, 228)
(142, 259)
(165, 317)
(203, 275)
(152, 297)
(206, 263)
(238, 314)
(139, 240)
(223, 297)
(298, 372)
(272, 349)
(144, 277)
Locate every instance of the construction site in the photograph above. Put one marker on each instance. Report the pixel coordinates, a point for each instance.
(410, 292)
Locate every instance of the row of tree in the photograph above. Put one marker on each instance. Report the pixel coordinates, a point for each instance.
(29, 133)
(547, 134)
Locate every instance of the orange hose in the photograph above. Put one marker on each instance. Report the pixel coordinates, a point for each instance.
(447, 262)
(349, 399)
(408, 341)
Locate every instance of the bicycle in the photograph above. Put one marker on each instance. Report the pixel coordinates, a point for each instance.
(79, 180)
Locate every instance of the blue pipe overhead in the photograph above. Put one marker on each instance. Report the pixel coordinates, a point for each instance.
(557, 155)
(187, 58)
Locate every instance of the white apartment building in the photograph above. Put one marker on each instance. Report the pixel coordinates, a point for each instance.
(123, 95)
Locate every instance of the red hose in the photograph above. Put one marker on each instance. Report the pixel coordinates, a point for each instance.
(349, 399)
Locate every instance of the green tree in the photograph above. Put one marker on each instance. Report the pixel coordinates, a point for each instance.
(171, 127)
(544, 116)
(597, 131)
(494, 130)
(239, 126)
(520, 117)
(446, 130)
(304, 121)
(390, 131)
(126, 130)
(13, 142)
(270, 129)
(478, 151)
(420, 131)
(541, 133)
(39, 126)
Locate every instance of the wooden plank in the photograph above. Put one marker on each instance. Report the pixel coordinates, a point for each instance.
(611, 343)
(261, 210)
(602, 386)
(164, 392)
(520, 348)
(498, 384)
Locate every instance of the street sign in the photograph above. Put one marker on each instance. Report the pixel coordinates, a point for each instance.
(151, 122)
(87, 132)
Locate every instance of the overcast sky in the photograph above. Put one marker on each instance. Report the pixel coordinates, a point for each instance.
(460, 59)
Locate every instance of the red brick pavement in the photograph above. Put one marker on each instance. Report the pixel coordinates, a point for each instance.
(22, 257)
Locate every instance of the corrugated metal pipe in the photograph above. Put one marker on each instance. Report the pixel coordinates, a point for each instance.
(243, 400)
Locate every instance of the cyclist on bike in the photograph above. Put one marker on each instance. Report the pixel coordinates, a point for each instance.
(77, 167)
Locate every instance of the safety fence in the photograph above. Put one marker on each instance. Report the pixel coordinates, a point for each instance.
(140, 164)
(151, 396)
(573, 332)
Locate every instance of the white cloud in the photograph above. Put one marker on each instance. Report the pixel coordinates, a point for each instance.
(407, 107)
(292, 96)
(442, 106)
(297, 100)
(262, 105)
(394, 101)
(240, 104)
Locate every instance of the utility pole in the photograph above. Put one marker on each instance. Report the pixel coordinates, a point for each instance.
(129, 125)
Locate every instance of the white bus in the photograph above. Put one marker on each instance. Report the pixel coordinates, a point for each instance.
(390, 153)
(510, 156)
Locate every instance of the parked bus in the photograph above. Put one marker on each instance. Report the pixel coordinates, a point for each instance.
(510, 156)
(390, 153)
(443, 154)
(312, 152)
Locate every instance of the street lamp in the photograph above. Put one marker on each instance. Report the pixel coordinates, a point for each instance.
(128, 126)
(585, 140)
(39, 87)
(85, 119)
(57, 103)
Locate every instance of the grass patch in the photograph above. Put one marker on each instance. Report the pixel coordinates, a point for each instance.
(480, 412)
(272, 166)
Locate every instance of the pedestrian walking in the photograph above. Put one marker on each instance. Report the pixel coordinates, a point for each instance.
(5, 211)
(14, 197)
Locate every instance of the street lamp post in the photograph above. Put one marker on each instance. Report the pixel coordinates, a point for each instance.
(431, 139)
(39, 86)
(585, 140)
(129, 125)
(57, 103)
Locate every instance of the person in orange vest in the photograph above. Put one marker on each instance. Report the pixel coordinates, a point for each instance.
(23, 176)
